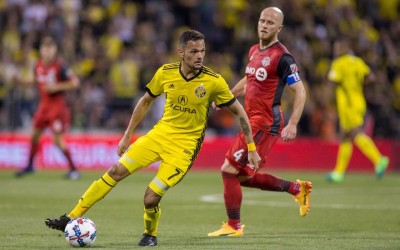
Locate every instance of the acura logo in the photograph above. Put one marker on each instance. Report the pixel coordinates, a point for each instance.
(182, 100)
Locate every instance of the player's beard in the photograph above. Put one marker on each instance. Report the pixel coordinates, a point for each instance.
(267, 39)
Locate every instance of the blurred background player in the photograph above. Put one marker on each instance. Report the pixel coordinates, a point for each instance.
(269, 69)
(52, 77)
(175, 140)
(349, 73)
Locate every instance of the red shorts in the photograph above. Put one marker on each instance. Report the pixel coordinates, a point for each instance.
(237, 154)
(56, 118)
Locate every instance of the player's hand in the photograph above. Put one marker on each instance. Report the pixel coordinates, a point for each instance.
(289, 132)
(215, 107)
(123, 145)
(254, 159)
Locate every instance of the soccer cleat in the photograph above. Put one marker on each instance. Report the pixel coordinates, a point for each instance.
(148, 240)
(303, 197)
(24, 172)
(72, 175)
(227, 230)
(334, 177)
(58, 224)
(381, 167)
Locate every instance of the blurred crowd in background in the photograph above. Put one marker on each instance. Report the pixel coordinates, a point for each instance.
(116, 46)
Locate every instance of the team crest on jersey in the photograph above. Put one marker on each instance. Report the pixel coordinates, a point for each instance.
(266, 61)
(200, 91)
(293, 68)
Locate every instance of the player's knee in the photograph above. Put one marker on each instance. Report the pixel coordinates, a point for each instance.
(151, 199)
(228, 168)
(118, 171)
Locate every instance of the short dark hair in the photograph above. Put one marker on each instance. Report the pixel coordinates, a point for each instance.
(190, 35)
(47, 41)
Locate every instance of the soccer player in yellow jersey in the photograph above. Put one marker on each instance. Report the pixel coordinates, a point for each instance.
(175, 140)
(349, 73)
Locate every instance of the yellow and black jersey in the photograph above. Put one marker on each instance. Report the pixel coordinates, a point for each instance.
(183, 123)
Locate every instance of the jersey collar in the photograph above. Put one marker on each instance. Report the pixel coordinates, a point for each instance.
(191, 78)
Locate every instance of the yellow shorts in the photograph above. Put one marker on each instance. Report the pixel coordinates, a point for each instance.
(145, 151)
(350, 118)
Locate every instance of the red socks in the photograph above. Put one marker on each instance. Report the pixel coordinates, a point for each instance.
(269, 182)
(263, 181)
(69, 159)
(233, 198)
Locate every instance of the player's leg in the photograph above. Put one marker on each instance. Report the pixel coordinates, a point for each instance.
(58, 138)
(235, 160)
(35, 137)
(172, 170)
(343, 157)
(232, 201)
(349, 127)
(299, 189)
(263, 180)
(152, 213)
(100, 188)
(370, 150)
(59, 123)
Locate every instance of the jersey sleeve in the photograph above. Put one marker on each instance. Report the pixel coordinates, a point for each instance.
(365, 69)
(334, 74)
(288, 70)
(65, 72)
(223, 96)
(154, 87)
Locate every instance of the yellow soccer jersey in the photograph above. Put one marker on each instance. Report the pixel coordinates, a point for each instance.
(182, 126)
(349, 72)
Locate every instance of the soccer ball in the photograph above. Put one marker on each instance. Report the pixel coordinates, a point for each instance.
(80, 232)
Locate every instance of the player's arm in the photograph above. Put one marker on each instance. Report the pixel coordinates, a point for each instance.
(240, 88)
(137, 115)
(370, 77)
(72, 82)
(237, 109)
(289, 132)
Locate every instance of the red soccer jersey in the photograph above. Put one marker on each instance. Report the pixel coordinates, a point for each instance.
(45, 75)
(267, 72)
(52, 110)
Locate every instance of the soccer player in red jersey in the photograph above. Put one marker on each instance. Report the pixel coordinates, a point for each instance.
(53, 78)
(269, 69)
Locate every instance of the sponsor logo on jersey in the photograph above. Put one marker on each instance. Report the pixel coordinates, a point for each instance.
(49, 78)
(182, 100)
(171, 86)
(266, 61)
(261, 74)
(250, 70)
(183, 109)
(200, 91)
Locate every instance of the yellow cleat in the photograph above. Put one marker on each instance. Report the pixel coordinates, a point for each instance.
(227, 230)
(303, 197)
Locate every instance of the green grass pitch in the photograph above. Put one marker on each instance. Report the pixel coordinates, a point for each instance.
(360, 213)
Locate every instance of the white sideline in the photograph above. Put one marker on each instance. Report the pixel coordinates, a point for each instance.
(217, 198)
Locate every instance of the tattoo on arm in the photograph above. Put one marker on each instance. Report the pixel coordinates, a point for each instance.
(244, 125)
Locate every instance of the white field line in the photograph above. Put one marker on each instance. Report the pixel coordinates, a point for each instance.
(218, 198)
